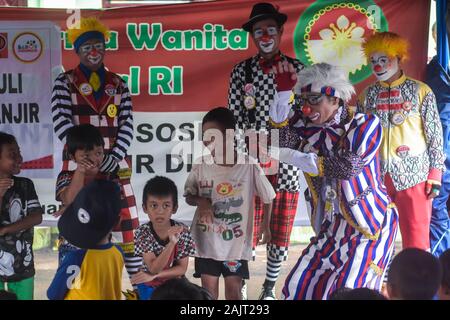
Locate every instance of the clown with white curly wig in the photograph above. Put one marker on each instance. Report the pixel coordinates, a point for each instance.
(351, 214)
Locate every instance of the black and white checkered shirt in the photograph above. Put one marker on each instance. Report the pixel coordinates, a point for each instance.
(264, 94)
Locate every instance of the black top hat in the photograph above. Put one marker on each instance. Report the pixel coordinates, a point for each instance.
(262, 11)
(92, 214)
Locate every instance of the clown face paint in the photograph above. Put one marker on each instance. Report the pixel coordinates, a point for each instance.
(318, 108)
(383, 67)
(266, 36)
(92, 53)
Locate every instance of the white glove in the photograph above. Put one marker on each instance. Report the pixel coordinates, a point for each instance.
(280, 108)
(306, 162)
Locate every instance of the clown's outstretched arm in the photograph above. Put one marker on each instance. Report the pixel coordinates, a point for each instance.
(345, 165)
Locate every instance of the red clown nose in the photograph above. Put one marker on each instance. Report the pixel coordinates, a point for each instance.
(93, 52)
(377, 68)
(306, 110)
(266, 37)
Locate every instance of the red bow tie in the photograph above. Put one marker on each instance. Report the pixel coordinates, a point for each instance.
(267, 65)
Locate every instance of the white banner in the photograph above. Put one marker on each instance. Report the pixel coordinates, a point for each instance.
(30, 58)
(164, 144)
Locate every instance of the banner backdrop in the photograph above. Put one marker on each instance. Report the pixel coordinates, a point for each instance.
(177, 60)
(29, 55)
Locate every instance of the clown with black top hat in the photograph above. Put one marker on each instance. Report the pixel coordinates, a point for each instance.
(255, 84)
(91, 94)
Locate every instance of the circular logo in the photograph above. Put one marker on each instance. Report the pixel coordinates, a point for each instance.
(407, 105)
(3, 42)
(83, 216)
(333, 33)
(27, 47)
(111, 110)
(402, 151)
(249, 89)
(85, 89)
(398, 118)
(110, 90)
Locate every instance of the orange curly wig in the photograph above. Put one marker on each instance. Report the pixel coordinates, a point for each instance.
(388, 42)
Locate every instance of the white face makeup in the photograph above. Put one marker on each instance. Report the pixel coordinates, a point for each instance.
(265, 38)
(92, 53)
(94, 56)
(266, 35)
(383, 67)
(320, 109)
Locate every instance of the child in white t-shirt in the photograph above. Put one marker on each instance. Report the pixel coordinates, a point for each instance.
(223, 186)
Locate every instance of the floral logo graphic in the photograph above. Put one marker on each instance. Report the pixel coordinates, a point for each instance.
(333, 32)
(344, 39)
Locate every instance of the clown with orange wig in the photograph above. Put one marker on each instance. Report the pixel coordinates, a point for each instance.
(90, 94)
(412, 157)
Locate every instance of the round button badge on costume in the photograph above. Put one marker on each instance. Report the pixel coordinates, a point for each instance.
(249, 89)
(110, 90)
(398, 118)
(249, 102)
(407, 105)
(111, 110)
(402, 151)
(85, 89)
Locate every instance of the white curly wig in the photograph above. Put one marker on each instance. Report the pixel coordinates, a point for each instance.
(326, 79)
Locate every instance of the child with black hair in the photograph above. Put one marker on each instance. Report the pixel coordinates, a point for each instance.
(414, 274)
(223, 186)
(444, 290)
(356, 294)
(94, 271)
(20, 212)
(164, 244)
(85, 147)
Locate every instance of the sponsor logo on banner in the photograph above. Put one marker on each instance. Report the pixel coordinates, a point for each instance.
(27, 47)
(333, 31)
(3, 45)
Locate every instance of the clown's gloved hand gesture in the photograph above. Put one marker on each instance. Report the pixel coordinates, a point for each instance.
(307, 162)
(286, 78)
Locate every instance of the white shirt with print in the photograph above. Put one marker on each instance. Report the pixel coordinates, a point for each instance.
(232, 190)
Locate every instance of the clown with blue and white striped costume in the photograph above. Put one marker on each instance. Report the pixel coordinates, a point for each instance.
(352, 215)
